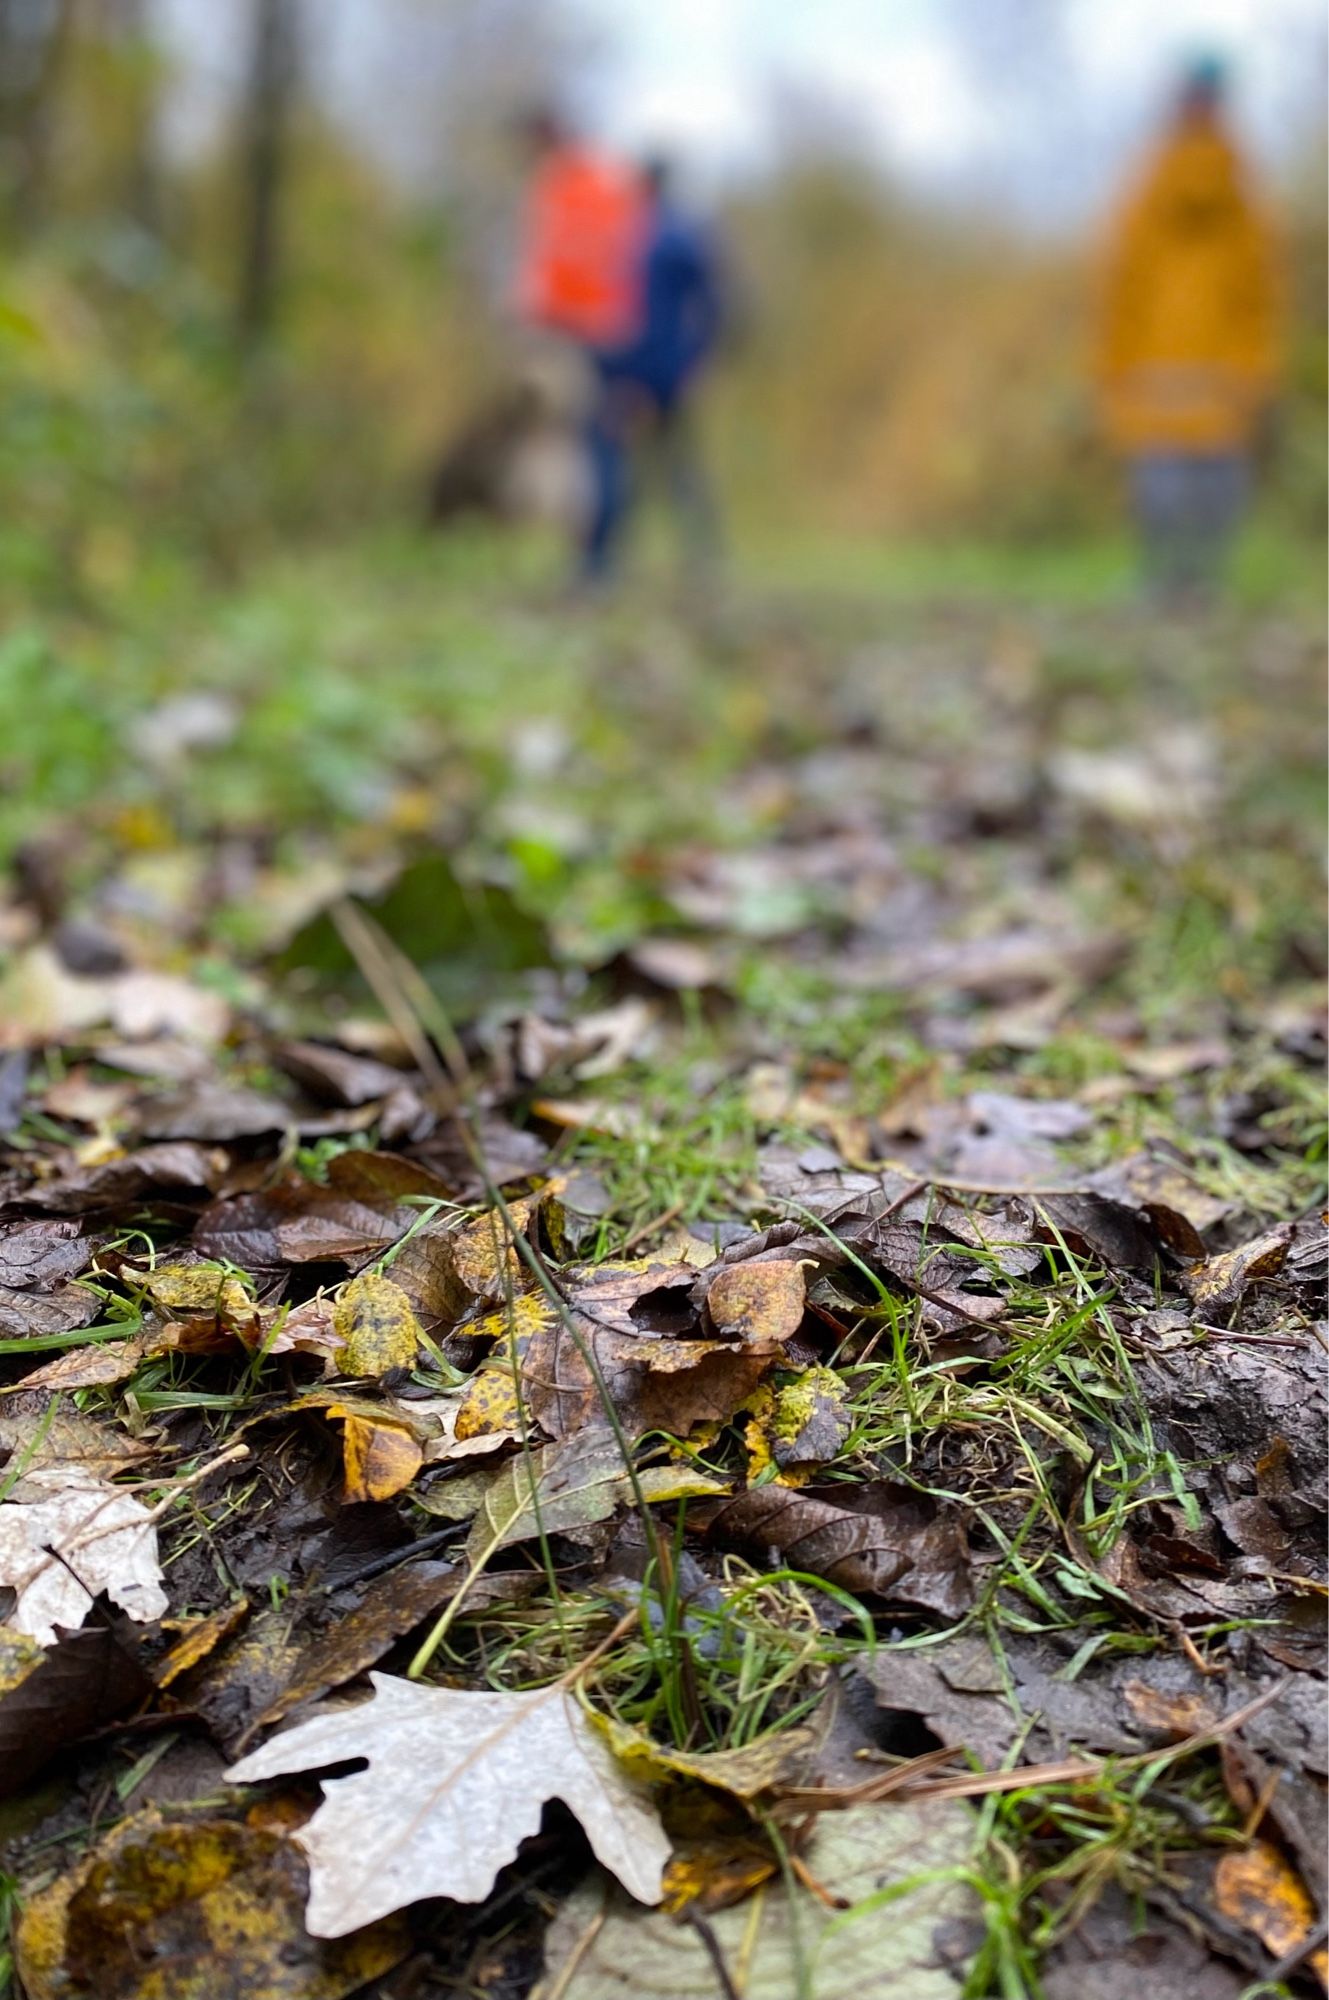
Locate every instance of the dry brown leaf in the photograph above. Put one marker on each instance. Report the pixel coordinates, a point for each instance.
(455, 1781)
(878, 1539)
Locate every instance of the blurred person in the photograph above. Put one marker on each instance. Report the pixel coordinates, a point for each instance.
(584, 234)
(1189, 340)
(656, 374)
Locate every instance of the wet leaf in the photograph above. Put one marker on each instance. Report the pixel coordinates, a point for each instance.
(65, 1536)
(387, 1608)
(781, 1757)
(568, 1486)
(798, 1426)
(198, 1638)
(377, 1327)
(211, 1111)
(52, 1695)
(485, 1259)
(63, 1310)
(1258, 1889)
(455, 1782)
(759, 1304)
(195, 1288)
(173, 1165)
(898, 1868)
(41, 1255)
(207, 1909)
(1220, 1283)
(380, 1458)
(104, 1363)
(336, 1075)
(899, 1546)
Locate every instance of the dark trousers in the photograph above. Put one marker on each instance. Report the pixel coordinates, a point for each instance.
(1188, 506)
(633, 431)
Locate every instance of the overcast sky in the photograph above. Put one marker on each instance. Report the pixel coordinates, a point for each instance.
(1034, 105)
(1032, 100)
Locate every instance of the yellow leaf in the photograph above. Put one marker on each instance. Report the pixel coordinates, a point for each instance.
(489, 1406)
(379, 1457)
(377, 1327)
(161, 1909)
(195, 1288)
(1262, 1892)
(485, 1259)
(198, 1638)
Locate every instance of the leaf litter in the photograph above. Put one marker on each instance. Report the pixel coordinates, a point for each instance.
(830, 1310)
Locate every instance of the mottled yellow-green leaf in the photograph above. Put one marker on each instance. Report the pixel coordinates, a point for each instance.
(570, 1485)
(797, 1427)
(195, 1288)
(759, 1304)
(378, 1329)
(485, 1258)
(204, 1909)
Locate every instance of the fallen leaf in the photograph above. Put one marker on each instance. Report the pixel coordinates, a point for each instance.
(1220, 1283)
(455, 1781)
(176, 1164)
(799, 1426)
(207, 1909)
(759, 1304)
(205, 1288)
(211, 1111)
(1256, 1888)
(874, 1539)
(41, 1255)
(899, 1868)
(336, 1075)
(568, 1486)
(378, 1330)
(198, 1638)
(65, 1536)
(64, 1310)
(52, 1695)
(484, 1257)
(388, 1607)
(99, 1365)
(380, 1458)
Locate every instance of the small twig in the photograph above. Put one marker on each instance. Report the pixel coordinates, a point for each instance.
(909, 1780)
(1193, 1653)
(646, 1229)
(706, 1932)
(395, 1557)
(575, 1956)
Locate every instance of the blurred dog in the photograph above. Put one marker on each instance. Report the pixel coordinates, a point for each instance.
(521, 457)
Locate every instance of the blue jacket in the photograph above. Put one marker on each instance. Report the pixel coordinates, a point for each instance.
(681, 309)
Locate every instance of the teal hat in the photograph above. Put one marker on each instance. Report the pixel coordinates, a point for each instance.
(1205, 76)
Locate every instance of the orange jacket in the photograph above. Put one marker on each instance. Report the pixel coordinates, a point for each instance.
(579, 270)
(1189, 344)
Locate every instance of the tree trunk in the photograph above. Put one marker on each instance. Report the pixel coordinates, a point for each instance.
(268, 100)
(33, 38)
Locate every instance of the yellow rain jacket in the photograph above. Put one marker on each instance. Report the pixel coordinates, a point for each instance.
(1189, 345)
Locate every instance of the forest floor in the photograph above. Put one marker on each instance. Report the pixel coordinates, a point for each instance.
(728, 1196)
